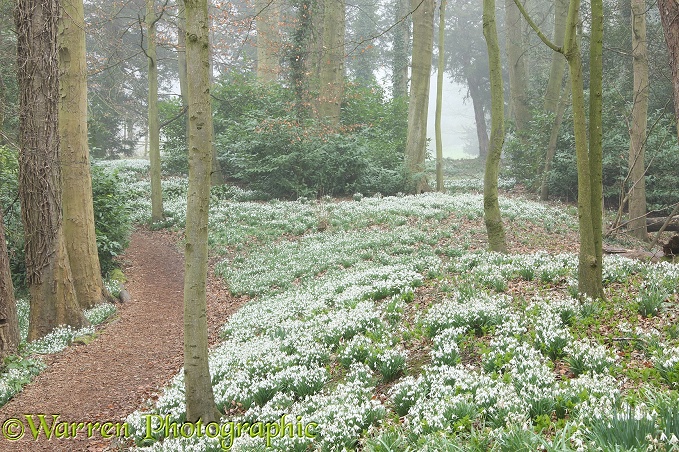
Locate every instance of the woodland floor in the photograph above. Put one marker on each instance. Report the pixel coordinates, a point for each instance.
(133, 357)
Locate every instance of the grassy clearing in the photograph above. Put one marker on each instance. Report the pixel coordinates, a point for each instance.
(382, 322)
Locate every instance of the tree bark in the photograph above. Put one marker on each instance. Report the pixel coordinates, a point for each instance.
(479, 117)
(518, 81)
(48, 273)
(153, 121)
(331, 76)
(637, 172)
(558, 65)
(491, 206)
(669, 16)
(418, 104)
(553, 140)
(200, 402)
(268, 39)
(439, 97)
(78, 210)
(399, 65)
(9, 324)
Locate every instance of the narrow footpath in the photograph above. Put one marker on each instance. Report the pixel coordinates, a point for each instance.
(130, 361)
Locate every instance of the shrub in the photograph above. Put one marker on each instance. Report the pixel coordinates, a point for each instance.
(111, 217)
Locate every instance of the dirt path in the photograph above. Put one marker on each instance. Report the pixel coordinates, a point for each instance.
(130, 361)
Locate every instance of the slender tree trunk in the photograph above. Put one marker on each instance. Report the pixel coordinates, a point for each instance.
(268, 39)
(153, 121)
(518, 84)
(553, 139)
(491, 206)
(399, 65)
(423, 46)
(48, 273)
(9, 324)
(439, 98)
(331, 76)
(479, 117)
(669, 16)
(558, 66)
(78, 210)
(637, 196)
(200, 402)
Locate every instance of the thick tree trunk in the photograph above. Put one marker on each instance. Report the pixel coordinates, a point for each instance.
(669, 15)
(48, 273)
(78, 210)
(637, 173)
(491, 206)
(153, 121)
(439, 97)
(418, 104)
(518, 80)
(9, 324)
(200, 402)
(268, 39)
(331, 76)
(399, 65)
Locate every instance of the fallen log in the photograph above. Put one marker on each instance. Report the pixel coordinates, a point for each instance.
(654, 224)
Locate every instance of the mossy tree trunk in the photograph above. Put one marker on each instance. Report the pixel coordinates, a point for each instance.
(331, 69)
(78, 209)
(491, 206)
(48, 272)
(637, 173)
(9, 324)
(200, 402)
(418, 103)
(401, 41)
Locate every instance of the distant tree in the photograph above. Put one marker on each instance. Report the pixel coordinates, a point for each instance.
(637, 170)
(49, 278)
(331, 63)
(516, 63)
(491, 206)
(363, 55)
(268, 39)
(9, 325)
(439, 96)
(418, 104)
(200, 403)
(153, 120)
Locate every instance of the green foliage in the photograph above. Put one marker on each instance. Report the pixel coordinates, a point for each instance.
(173, 137)
(263, 145)
(624, 431)
(111, 217)
(9, 203)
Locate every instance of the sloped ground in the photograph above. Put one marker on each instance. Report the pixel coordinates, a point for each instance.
(134, 356)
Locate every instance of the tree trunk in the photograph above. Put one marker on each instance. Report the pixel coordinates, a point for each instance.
(399, 65)
(153, 121)
(48, 273)
(418, 104)
(669, 15)
(78, 210)
(268, 39)
(200, 402)
(439, 98)
(479, 117)
(637, 196)
(558, 66)
(491, 206)
(518, 85)
(331, 76)
(181, 55)
(553, 140)
(9, 324)
(654, 224)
